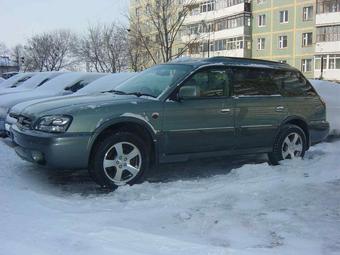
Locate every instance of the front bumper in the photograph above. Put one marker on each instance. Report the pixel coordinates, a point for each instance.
(58, 151)
(319, 130)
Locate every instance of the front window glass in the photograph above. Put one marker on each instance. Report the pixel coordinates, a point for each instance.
(155, 80)
(213, 82)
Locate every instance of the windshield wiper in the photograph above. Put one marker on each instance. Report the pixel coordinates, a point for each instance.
(139, 94)
(118, 92)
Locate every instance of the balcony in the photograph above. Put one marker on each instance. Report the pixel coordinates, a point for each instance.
(327, 47)
(215, 15)
(222, 34)
(329, 18)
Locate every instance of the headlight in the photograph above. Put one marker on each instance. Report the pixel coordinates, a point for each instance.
(53, 124)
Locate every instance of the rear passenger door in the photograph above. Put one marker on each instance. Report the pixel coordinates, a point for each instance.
(259, 108)
(300, 99)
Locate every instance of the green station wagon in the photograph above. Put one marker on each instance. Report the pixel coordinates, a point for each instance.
(175, 112)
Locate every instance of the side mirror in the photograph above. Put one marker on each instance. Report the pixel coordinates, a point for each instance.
(188, 92)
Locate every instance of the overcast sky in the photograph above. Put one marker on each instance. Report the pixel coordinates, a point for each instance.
(19, 19)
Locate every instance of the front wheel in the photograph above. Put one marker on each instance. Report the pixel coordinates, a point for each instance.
(290, 143)
(120, 159)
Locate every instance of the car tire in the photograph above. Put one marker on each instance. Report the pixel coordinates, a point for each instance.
(119, 159)
(290, 143)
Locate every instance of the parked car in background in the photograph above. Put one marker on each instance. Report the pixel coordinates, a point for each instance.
(9, 75)
(34, 82)
(106, 83)
(175, 112)
(64, 84)
(15, 80)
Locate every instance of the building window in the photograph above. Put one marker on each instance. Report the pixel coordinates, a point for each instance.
(261, 43)
(207, 6)
(306, 65)
(284, 16)
(307, 13)
(317, 62)
(261, 20)
(328, 34)
(325, 6)
(307, 39)
(220, 4)
(334, 61)
(283, 41)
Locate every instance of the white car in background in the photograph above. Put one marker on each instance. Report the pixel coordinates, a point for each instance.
(15, 80)
(107, 83)
(34, 82)
(64, 84)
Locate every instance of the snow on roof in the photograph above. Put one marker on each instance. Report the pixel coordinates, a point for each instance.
(14, 79)
(67, 79)
(38, 79)
(106, 83)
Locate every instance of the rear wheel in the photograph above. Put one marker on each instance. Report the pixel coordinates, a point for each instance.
(290, 143)
(120, 159)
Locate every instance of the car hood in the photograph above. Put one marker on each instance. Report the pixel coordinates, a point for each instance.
(7, 91)
(69, 104)
(8, 101)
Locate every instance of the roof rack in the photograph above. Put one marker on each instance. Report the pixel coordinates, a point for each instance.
(219, 58)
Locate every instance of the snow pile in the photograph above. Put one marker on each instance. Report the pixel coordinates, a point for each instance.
(330, 93)
(254, 209)
(2, 79)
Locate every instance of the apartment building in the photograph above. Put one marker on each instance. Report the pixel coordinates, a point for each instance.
(218, 28)
(283, 30)
(327, 50)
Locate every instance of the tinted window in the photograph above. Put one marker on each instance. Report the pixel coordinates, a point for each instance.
(254, 82)
(209, 83)
(293, 84)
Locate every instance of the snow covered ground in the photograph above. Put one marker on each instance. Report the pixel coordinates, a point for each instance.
(237, 205)
(225, 206)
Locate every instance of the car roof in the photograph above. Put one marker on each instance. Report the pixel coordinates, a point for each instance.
(232, 61)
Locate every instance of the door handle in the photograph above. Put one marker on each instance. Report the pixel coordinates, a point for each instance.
(226, 110)
(280, 108)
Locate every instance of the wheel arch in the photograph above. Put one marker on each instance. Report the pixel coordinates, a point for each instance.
(300, 122)
(127, 124)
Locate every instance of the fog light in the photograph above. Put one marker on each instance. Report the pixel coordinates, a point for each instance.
(37, 156)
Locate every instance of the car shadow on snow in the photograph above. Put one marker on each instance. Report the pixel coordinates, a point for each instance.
(79, 182)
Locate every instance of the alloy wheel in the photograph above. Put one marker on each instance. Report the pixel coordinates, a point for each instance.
(122, 163)
(292, 146)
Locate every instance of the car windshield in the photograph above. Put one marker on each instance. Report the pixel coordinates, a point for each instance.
(16, 80)
(155, 80)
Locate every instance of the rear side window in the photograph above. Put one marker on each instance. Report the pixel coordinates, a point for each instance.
(254, 82)
(293, 84)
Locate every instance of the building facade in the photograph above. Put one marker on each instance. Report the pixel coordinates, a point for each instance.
(327, 50)
(284, 30)
(218, 28)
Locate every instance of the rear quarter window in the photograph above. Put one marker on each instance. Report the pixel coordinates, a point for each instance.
(293, 84)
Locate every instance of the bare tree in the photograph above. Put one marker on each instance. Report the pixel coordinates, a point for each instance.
(104, 48)
(157, 24)
(49, 51)
(4, 51)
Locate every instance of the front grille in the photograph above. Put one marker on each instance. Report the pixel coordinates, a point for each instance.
(24, 122)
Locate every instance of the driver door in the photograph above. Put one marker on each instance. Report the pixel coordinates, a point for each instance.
(202, 120)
